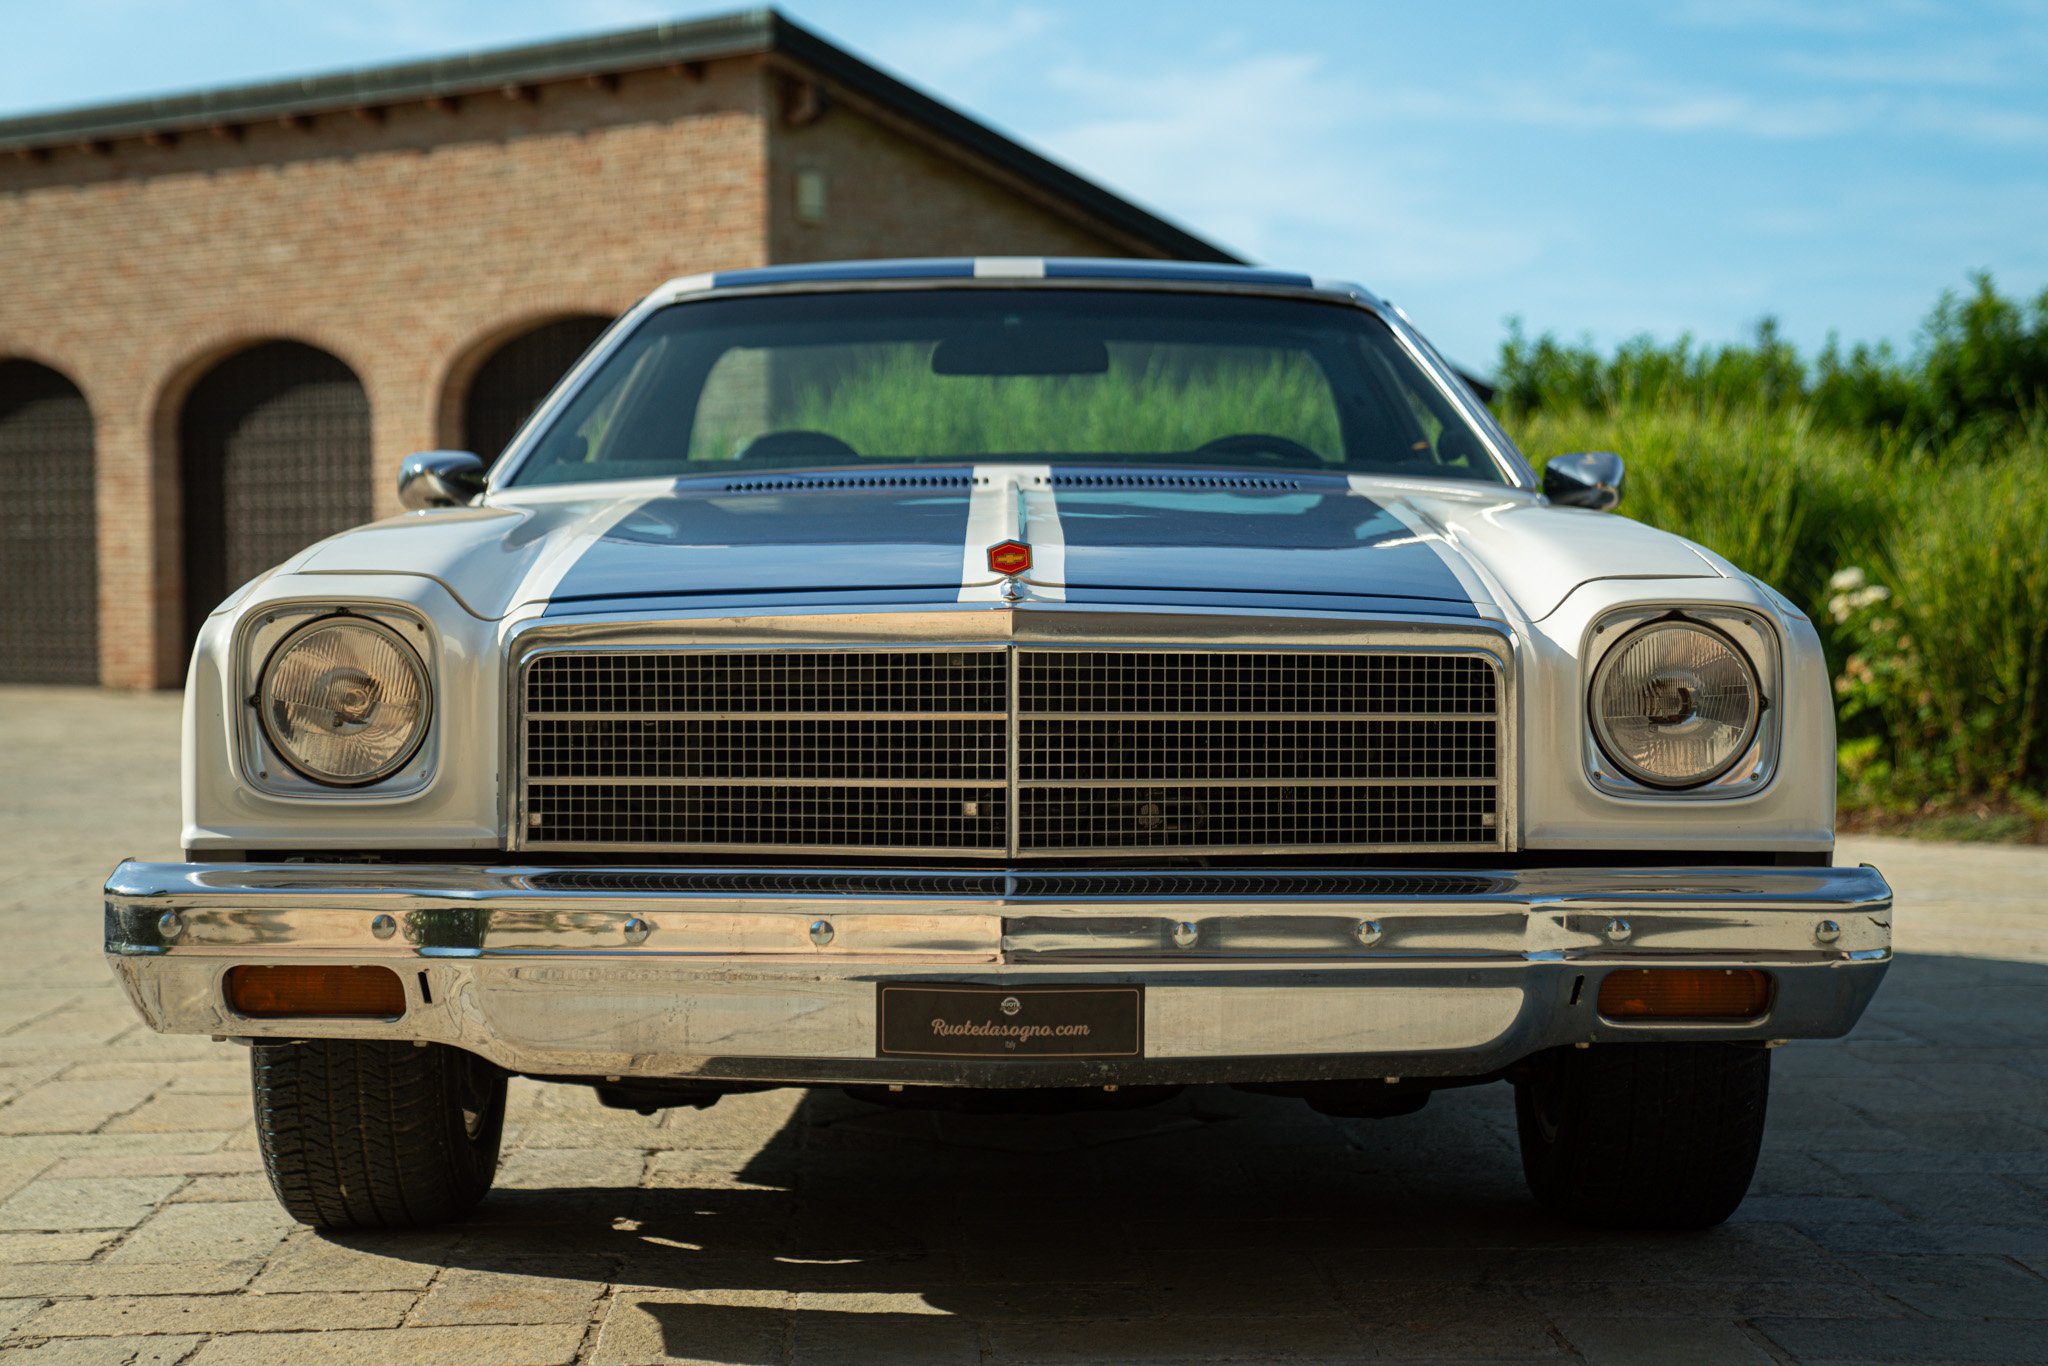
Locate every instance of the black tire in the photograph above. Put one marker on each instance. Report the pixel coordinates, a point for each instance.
(1643, 1135)
(360, 1134)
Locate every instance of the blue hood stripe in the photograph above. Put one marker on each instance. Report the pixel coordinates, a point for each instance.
(1289, 534)
(737, 536)
(1132, 534)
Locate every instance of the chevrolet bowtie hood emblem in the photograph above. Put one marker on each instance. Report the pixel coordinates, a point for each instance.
(1009, 557)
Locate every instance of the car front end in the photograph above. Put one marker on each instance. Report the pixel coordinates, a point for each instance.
(1231, 758)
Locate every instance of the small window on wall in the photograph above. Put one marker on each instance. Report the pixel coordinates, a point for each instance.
(810, 196)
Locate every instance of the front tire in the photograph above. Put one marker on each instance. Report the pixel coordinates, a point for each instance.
(376, 1134)
(1643, 1135)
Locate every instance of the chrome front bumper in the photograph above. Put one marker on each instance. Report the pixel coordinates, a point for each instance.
(771, 975)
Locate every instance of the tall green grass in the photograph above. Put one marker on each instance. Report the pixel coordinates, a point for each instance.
(1977, 372)
(1142, 403)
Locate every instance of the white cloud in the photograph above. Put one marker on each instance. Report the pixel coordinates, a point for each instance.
(1273, 151)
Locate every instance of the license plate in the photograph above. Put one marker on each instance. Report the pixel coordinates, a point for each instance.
(920, 1020)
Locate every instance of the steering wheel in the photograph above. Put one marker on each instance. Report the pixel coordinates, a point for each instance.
(1277, 450)
(796, 445)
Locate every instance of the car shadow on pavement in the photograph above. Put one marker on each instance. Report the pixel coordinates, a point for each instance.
(1221, 1224)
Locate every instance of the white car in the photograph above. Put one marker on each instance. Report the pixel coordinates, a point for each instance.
(951, 680)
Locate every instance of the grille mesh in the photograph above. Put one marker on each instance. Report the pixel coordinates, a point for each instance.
(1116, 751)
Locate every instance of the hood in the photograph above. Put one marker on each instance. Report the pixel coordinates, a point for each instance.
(1128, 536)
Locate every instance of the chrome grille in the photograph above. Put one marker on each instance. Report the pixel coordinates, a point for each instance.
(1019, 751)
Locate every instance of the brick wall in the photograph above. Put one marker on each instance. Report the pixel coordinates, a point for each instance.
(411, 241)
(890, 190)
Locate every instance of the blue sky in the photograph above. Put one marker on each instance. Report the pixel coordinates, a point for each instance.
(1602, 168)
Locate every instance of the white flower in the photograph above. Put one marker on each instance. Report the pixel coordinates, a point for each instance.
(1846, 604)
(1847, 580)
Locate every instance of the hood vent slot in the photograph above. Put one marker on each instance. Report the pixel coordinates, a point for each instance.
(1173, 481)
(795, 483)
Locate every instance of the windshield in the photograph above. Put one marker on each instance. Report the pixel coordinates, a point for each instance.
(1096, 377)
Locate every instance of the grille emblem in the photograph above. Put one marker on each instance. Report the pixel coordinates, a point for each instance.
(1009, 557)
(1011, 1005)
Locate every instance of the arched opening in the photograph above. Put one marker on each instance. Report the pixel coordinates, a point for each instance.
(510, 384)
(49, 555)
(274, 451)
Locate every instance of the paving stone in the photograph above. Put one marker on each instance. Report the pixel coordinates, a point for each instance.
(118, 1351)
(836, 1338)
(542, 1345)
(173, 1112)
(1910, 1340)
(399, 1259)
(23, 1004)
(16, 1172)
(1956, 1286)
(125, 1314)
(645, 1326)
(230, 1231)
(243, 1186)
(1945, 1197)
(16, 1248)
(616, 1167)
(74, 1107)
(60, 1280)
(85, 1203)
(532, 1295)
(1723, 1301)
(1628, 1341)
(218, 1163)
(57, 1147)
(1181, 1337)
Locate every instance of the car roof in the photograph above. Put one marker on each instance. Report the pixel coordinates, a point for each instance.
(1013, 269)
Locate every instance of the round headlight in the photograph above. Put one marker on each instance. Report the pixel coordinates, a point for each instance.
(1675, 704)
(345, 701)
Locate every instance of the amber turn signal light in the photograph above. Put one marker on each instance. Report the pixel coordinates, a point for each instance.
(1685, 994)
(267, 993)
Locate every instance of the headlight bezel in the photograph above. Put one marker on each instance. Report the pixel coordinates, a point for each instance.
(264, 766)
(1753, 638)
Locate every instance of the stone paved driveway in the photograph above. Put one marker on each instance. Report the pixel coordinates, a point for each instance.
(1901, 1213)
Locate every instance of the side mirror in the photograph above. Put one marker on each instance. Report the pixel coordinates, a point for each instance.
(440, 479)
(1589, 479)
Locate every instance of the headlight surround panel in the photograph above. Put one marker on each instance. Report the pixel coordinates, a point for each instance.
(1751, 639)
(264, 639)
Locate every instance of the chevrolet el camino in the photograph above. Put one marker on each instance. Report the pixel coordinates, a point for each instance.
(953, 679)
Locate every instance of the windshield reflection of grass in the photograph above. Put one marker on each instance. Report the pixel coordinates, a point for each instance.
(896, 406)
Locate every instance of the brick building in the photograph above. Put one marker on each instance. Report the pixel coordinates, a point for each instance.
(226, 317)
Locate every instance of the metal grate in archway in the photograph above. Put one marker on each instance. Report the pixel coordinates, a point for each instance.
(274, 448)
(49, 558)
(518, 375)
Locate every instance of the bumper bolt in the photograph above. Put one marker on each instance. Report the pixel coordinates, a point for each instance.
(1827, 932)
(1185, 933)
(637, 930)
(1367, 932)
(821, 932)
(169, 926)
(384, 927)
(1618, 931)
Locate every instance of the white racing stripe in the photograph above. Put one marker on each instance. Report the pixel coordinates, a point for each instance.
(1433, 537)
(1013, 503)
(548, 572)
